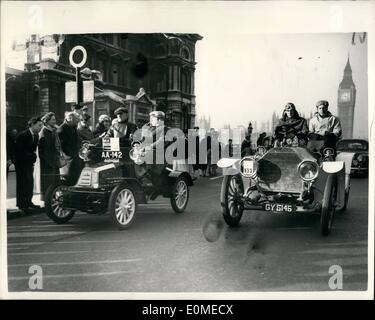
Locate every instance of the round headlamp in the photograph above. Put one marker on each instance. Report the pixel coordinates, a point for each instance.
(84, 152)
(360, 158)
(248, 167)
(308, 170)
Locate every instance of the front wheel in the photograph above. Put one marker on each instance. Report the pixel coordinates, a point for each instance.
(180, 195)
(54, 201)
(232, 206)
(328, 205)
(123, 206)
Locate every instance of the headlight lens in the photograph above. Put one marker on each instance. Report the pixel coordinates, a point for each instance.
(84, 152)
(308, 170)
(360, 158)
(248, 167)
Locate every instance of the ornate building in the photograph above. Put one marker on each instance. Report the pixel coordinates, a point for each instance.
(144, 71)
(346, 102)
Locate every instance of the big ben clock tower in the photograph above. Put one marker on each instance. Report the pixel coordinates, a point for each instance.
(346, 102)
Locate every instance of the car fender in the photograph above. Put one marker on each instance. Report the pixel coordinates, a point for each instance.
(337, 168)
(347, 158)
(332, 166)
(175, 174)
(139, 193)
(230, 166)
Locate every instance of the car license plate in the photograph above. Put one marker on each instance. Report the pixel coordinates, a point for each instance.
(279, 207)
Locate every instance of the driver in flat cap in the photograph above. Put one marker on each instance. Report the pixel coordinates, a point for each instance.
(325, 128)
(122, 128)
(155, 128)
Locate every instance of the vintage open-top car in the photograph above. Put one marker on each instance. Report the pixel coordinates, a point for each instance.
(285, 179)
(358, 147)
(116, 187)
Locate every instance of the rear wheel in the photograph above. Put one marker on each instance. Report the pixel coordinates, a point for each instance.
(328, 205)
(180, 195)
(232, 206)
(54, 200)
(123, 206)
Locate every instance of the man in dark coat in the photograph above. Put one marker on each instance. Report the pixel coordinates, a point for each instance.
(292, 126)
(122, 128)
(25, 157)
(49, 151)
(70, 145)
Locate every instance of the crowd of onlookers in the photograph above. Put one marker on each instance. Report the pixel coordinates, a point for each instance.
(57, 147)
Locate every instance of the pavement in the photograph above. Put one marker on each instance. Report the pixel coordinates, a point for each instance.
(12, 209)
(192, 252)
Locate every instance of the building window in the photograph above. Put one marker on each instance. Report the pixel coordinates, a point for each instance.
(101, 67)
(124, 41)
(116, 40)
(185, 53)
(110, 38)
(160, 51)
(114, 74)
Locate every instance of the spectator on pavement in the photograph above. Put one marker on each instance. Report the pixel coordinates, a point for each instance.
(25, 157)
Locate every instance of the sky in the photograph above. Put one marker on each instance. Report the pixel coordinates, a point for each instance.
(242, 78)
(247, 68)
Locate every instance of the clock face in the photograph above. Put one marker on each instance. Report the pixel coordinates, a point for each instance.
(345, 95)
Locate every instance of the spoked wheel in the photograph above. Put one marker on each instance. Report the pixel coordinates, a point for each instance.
(180, 195)
(123, 206)
(54, 200)
(328, 205)
(232, 206)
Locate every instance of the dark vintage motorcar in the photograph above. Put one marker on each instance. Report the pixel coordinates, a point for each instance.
(359, 149)
(285, 179)
(116, 187)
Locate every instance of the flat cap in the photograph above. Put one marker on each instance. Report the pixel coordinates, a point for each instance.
(157, 114)
(121, 110)
(322, 102)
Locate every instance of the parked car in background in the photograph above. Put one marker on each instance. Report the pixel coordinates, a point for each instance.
(359, 147)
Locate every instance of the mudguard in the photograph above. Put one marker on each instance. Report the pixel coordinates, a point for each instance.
(337, 168)
(175, 174)
(230, 166)
(332, 166)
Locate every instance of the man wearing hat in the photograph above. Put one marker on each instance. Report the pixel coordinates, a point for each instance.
(122, 128)
(325, 129)
(154, 143)
(83, 129)
(156, 128)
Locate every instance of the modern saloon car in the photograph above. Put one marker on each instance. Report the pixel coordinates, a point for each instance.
(359, 149)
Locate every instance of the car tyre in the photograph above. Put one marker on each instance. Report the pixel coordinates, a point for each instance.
(180, 195)
(232, 208)
(123, 206)
(328, 205)
(53, 204)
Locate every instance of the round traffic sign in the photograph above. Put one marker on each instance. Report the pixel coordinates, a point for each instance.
(84, 56)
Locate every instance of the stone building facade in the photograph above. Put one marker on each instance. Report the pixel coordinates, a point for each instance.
(144, 71)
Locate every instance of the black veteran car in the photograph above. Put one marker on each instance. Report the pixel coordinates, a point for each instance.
(359, 149)
(115, 182)
(285, 179)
